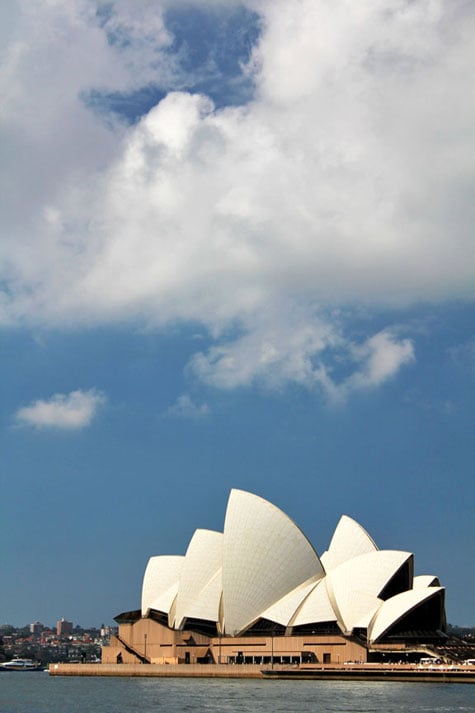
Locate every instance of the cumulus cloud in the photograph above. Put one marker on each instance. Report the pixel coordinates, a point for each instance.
(346, 180)
(380, 358)
(276, 347)
(72, 411)
(307, 351)
(185, 407)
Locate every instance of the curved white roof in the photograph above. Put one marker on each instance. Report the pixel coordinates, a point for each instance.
(368, 606)
(203, 560)
(425, 580)
(316, 607)
(263, 566)
(354, 586)
(207, 603)
(265, 557)
(283, 610)
(349, 540)
(160, 582)
(398, 606)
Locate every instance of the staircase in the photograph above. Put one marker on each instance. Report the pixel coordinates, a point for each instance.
(131, 650)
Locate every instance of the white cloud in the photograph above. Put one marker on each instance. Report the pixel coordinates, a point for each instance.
(380, 358)
(185, 407)
(348, 180)
(71, 411)
(277, 346)
(307, 351)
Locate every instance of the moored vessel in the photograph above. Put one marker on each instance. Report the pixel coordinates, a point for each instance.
(21, 665)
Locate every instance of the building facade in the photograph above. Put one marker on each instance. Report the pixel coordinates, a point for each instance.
(64, 628)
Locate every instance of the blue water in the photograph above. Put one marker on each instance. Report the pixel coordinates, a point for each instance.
(40, 693)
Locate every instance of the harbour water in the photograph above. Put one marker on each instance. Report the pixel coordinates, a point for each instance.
(40, 693)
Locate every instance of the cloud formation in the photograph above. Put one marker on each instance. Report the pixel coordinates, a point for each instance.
(379, 358)
(71, 412)
(346, 180)
(185, 407)
(310, 354)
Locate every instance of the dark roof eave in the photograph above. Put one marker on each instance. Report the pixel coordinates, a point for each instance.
(128, 617)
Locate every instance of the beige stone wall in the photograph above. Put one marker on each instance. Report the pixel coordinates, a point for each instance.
(171, 670)
(109, 653)
(154, 641)
(328, 649)
(165, 646)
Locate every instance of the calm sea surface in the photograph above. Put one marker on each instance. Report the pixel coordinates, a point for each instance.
(38, 693)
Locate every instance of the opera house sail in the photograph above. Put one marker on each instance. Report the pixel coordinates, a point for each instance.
(260, 583)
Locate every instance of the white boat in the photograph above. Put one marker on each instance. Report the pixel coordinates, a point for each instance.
(21, 665)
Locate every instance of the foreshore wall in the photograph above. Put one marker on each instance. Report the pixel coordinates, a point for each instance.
(158, 670)
(365, 672)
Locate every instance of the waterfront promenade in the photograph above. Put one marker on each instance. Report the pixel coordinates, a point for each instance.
(342, 672)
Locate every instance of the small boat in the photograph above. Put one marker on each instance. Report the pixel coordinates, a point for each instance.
(21, 665)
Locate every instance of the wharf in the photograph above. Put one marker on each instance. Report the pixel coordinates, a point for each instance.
(329, 672)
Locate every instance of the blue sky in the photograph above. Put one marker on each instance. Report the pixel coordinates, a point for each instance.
(237, 251)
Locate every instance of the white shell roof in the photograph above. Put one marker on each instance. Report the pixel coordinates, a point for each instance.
(371, 606)
(206, 604)
(425, 580)
(282, 611)
(355, 585)
(316, 607)
(203, 560)
(349, 540)
(264, 566)
(265, 557)
(398, 606)
(160, 582)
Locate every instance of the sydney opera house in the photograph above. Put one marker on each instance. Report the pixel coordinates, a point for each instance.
(259, 592)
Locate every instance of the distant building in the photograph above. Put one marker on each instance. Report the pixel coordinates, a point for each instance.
(259, 592)
(107, 631)
(36, 628)
(64, 628)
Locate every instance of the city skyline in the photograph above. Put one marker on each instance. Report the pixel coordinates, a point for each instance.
(237, 252)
